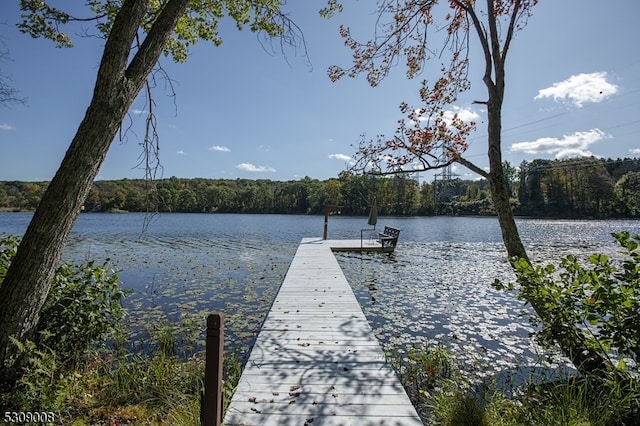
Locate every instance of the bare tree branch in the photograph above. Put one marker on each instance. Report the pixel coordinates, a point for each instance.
(8, 94)
(469, 165)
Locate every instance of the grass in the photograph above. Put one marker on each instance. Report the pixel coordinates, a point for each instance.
(443, 396)
(118, 387)
(584, 401)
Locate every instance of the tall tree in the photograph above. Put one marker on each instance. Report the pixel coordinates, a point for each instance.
(433, 136)
(628, 191)
(137, 32)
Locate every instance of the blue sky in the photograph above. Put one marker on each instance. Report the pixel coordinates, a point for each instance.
(243, 111)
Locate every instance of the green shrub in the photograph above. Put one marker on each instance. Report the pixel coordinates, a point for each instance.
(8, 249)
(600, 297)
(105, 386)
(83, 307)
(45, 383)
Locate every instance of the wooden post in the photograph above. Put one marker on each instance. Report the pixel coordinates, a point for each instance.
(326, 222)
(328, 209)
(211, 410)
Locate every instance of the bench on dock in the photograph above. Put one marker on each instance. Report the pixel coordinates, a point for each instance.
(389, 237)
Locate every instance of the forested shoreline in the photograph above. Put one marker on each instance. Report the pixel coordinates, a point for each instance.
(575, 188)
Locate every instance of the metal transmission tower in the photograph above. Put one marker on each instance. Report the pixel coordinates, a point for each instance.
(413, 175)
(443, 190)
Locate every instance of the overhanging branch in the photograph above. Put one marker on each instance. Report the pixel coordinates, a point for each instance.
(469, 165)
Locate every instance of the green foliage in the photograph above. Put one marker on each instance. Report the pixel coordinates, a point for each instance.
(627, 190)
(540, 193)
(8, 249)
(130, 388)
(444, 396)
(582, 401)
(601, 298)
(582, 187)
(154, 380)
(199, 22)
(21, 195)
(68, 371)
(572, 401)
(422, 370)
(83, 307)
(231, 371)
(458, 404)
(333, 7)
(166, 339)
(398, 196)
(45, 383)
(42, 20)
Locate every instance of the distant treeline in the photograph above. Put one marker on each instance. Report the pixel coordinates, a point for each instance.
(576, 188)
(580, 187)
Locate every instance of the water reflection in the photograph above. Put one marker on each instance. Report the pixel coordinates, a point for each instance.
(435, 287)
(441, 293)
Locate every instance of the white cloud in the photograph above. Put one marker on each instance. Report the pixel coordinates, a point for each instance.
(138, 111)
(181, 152)
(580, 89)
(342, 157)
(464, 114)
(573, 145)
(5, 126)
(219, 148)
(635, 150)
(248, 167)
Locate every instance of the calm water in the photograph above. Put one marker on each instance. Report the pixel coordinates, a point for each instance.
(435, 287)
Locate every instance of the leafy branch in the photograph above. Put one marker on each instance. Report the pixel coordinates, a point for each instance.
(600, 297)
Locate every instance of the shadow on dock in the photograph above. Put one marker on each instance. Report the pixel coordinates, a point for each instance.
(316, 360)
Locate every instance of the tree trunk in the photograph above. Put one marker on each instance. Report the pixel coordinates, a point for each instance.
(28, 279)
(499, 193)
(585, 359)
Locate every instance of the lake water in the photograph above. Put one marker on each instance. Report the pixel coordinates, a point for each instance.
(435, 287)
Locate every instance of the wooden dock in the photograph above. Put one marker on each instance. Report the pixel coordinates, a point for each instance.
(316, 360)
(366, 245)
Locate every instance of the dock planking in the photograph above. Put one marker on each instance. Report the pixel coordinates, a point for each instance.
(316, 360)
